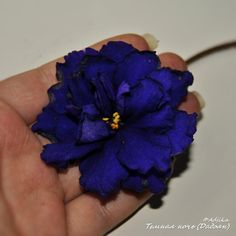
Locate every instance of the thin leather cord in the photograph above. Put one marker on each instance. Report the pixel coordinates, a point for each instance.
(211, 50)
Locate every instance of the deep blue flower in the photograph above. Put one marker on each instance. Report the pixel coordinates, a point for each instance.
(115, 111)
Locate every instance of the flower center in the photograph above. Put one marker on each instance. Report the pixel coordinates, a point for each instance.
(114, 122)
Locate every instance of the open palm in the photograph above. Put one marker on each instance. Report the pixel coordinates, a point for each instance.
(35, 199)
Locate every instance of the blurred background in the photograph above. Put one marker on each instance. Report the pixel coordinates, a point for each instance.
(34, 32)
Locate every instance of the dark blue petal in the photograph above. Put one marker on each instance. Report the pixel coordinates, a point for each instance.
(62, 154)
(77, 74)
(59, 98)
(160, 120)
(96, 65)
(65, 129)
(123, 90)
(153, 180)
(136, 66)
(90, 111)
(74, 60)
(65, 70)
(174, 82)
(81, 90)
(133, 182)
(99, 72)
(73, 111)
(141, 150)
(91, 52)
(45, 121)
(156, 182)
(145, 97)
(55, 126)
(102, 172)
(181, 136)
(71, 74)
(108, 85)
(116, 51)
(93, 130)
(104, 94)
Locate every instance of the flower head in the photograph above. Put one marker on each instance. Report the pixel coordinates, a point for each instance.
(115, 111)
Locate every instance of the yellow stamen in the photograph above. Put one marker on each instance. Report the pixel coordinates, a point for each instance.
(115, 120)
(105, 118)
(114, 126)
(115, 114)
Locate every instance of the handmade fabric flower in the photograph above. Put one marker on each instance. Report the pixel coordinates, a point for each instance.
(115, 111)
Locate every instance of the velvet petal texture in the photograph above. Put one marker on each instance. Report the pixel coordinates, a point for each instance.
(63, 154)
(136, 66)
(116, 51)
(102, 172)
(174, 83)
(114, 112)
(143, 98)
(152, 152)
(181, 136)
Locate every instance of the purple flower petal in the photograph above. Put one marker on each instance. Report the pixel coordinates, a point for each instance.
(159, 120)
(141, 150)
(133, 182)
(153, 180)
(136, 66)
(145, 97)
(181, 136)
(65, 70)
(94, 66)
(101, 172)
(104, 94)
(61, 154)
(174, 82)
(45, 121)
(72, 62)
(122, 90)
(116, 51)
(59, 99)
(156, 182)
(65, 130)
(91, 111)
(55, 126)
(92, 130)
(81, 90)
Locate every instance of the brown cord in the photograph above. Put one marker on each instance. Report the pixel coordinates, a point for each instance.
(210, 50)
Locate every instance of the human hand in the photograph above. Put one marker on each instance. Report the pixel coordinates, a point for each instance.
(35, 199)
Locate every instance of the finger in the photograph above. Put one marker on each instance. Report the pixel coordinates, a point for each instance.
(32, 189)
(27, 92)
(191, 104)
(101, 216)
(68, 178)
(136, 40)
(70, 183)
(172, 60)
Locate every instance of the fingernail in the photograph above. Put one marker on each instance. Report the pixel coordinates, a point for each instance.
(200, 99)
(151, 41)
